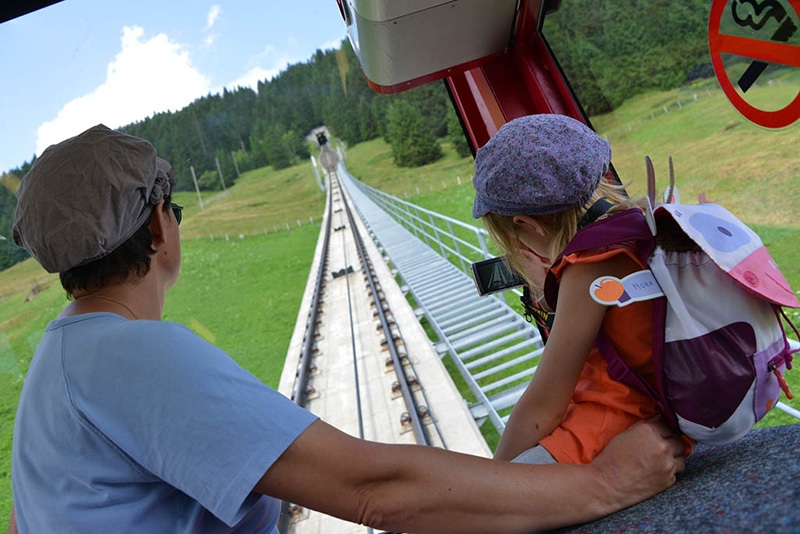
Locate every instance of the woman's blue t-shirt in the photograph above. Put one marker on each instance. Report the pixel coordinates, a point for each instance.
(141, 426)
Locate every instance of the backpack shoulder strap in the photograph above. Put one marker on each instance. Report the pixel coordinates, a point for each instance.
(622, 372)
(594, 212)
(622, 227)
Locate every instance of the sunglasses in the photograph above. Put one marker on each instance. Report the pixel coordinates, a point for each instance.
(178, 211)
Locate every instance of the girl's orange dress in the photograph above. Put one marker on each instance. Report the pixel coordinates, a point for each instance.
(602, 407)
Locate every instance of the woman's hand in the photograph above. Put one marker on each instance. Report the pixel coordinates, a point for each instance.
(640, 462)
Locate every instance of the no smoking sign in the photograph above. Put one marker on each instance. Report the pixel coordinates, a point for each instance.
(772, 23)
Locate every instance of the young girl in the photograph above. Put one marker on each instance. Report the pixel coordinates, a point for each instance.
(536, 181)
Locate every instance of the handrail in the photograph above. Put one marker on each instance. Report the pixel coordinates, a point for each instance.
(459, 242)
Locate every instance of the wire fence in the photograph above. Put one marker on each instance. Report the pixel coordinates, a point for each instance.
(274, 229)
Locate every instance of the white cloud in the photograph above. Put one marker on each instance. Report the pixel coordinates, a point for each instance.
(211, 18)
(253, 76)
(275, 61)
(335, 45)
(145, 77)
(268, 54)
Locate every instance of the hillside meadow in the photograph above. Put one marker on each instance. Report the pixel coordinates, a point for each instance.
(247, 255)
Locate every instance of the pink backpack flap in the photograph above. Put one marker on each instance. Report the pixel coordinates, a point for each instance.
(734, 248)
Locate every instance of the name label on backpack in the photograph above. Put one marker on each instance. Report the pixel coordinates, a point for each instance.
(638, 286)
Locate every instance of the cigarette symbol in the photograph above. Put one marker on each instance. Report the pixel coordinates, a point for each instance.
(763, 11)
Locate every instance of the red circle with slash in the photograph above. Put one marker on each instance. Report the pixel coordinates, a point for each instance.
(767, 51)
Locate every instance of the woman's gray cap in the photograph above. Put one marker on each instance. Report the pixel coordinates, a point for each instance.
(85, 196)
(537, 165)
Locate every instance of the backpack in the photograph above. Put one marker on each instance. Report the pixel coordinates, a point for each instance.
(719, 346)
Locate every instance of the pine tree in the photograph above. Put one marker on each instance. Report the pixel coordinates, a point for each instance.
(413, 143)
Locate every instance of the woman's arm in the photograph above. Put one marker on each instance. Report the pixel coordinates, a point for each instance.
(409, 488)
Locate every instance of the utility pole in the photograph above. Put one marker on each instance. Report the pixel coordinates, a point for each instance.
(221, 179)
(196, 188)
(235, 165)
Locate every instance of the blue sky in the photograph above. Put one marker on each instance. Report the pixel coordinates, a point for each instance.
(81, 62)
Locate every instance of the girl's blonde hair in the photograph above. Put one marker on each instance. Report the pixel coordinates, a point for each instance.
(560, 227)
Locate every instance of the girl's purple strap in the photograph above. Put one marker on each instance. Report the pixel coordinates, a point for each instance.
(628, 225)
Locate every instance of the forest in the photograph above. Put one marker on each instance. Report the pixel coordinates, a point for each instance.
(244, 129)
(611, 51)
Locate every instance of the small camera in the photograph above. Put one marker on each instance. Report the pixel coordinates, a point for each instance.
(494, 275)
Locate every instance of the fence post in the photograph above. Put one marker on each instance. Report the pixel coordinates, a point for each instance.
(235, 165)
(196, 188)
(219, 170)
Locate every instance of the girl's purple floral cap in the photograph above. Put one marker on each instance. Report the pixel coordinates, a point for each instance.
(538, 165)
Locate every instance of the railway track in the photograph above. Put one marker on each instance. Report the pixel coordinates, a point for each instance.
(361, 361)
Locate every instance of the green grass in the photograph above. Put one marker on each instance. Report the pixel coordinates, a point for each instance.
(242, 290)
(261, 200)
(242, 295)
(752, 171)
(372, 163)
